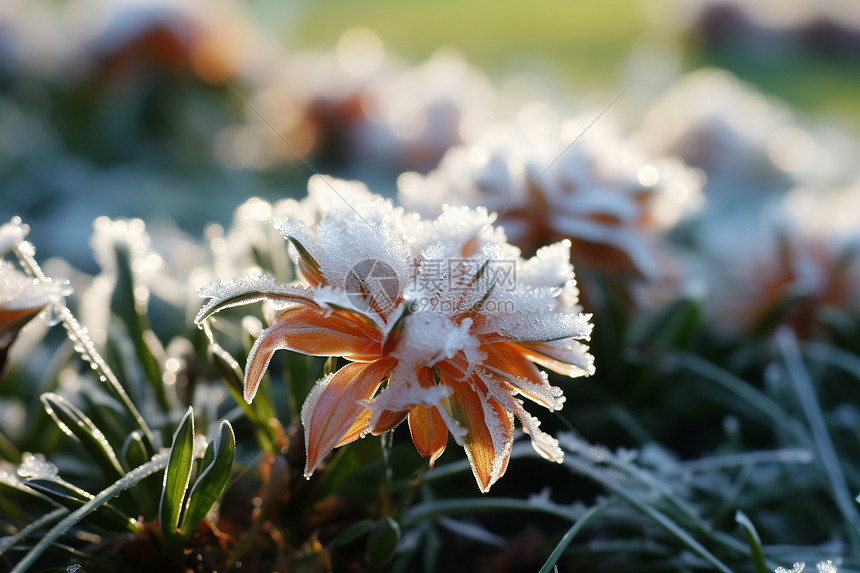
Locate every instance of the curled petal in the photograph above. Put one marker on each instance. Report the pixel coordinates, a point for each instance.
(568, 357)
(227, 294)
(489, 426)
(508, 362)
(310, 331)
(333, 414)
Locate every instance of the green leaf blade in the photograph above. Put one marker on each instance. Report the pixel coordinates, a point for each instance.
(217, 464)
(76, 424)
(177, 476)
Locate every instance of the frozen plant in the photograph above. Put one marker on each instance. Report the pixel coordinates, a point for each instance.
(441, 320)
(22, 297)
(746, 143)
(794, 264)
(550, 181)
(821, 567)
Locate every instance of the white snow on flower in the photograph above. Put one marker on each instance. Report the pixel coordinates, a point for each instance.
(19, 292)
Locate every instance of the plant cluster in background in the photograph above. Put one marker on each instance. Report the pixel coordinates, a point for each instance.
(713, 231)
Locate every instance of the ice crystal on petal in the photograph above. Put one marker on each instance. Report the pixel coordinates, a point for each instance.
(19, 291)
(11, 234)
(228, 293)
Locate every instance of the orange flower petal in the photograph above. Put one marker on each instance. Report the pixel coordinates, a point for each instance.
(489, 426)
(569, 357)
(429, 433)
(388, 420)
(507, 361)
(332, 415)
(428, 429)
(310, 331)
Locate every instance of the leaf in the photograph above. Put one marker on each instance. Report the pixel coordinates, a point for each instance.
(158, 462)
(382, 541)
(209, 486)
(73, 497)
(76, 424)
(571, 533)
(177, 476)
(128, 308)
(754, 541)
(829, 459)
(8, 542)
(134, 454)
(309, 263)
(673, 327)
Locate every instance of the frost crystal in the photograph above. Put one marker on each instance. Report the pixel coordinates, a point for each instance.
(11, 234)
(443, 322)
(821, 567)
(36, 466)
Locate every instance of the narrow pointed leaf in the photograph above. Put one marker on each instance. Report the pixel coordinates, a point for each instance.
(177, 476)
(134, 454)
(310, 265)
(754, 542)
(216, 465)
(76, 424)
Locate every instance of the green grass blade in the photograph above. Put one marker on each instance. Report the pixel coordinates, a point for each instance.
(746, 394)
(127, 307)
(432, 509)
(177, 476)
(571, 533)
(8, 542)
(157, 463)
(803, 387)
(630, 496)
(754, 541)
(73, 497)
(217, 464)
(77, 425)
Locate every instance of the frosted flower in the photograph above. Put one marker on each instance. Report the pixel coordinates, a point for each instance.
(21, 298)
(788, 265)
(416, 116)
(602, 193)
(442, 322)
(129, 37)
(353, 113)
(728, 129)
